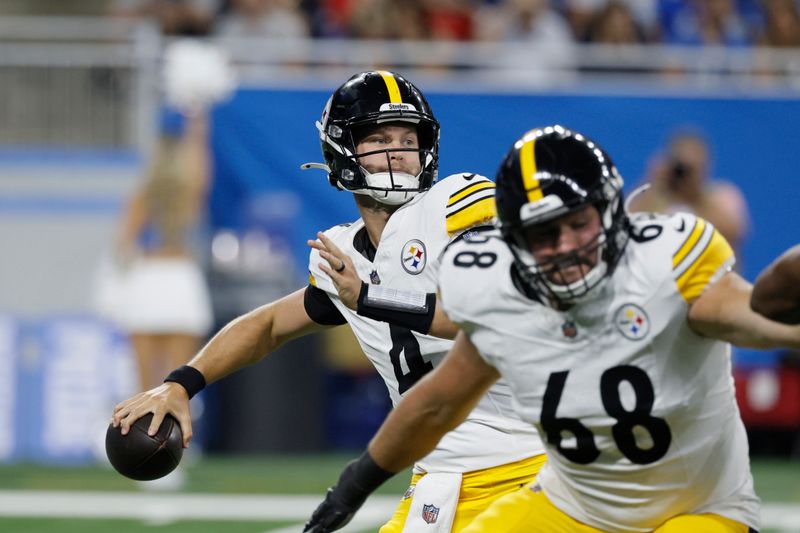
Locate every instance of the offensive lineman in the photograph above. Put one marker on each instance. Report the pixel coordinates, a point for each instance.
(380, 141)
(613, 335)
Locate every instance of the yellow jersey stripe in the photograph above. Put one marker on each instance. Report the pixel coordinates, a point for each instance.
(527, 163)
(714, 259)
(690, 242)
(312, 280)
(470, 189)
(391, 84)
(470, 215)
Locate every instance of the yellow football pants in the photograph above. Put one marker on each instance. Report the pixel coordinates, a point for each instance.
(525, 511)
(478, 490)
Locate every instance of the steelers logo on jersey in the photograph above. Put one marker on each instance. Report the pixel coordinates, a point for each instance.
(414, 256)
(632, 322)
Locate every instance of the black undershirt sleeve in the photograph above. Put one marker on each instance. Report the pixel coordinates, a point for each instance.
(320, 308)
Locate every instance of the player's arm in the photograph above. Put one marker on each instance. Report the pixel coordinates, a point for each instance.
(240, 343)
(723, 312)
(416, 311)
(776, 293)
(434, 406)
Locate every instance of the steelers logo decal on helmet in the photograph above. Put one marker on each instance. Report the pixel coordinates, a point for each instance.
(414, 257)
(632, 322)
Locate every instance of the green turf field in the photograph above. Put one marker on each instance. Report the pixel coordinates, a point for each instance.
(247, 491)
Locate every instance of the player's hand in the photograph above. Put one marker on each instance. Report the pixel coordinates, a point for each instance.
(340, 268)
(332, 514)
(166, 398)
(357, 481)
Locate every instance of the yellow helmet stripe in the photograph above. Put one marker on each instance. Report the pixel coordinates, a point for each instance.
(391, 84)
(527, 163)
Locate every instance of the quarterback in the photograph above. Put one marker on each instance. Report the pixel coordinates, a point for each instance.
(380, 141)
(613, 334)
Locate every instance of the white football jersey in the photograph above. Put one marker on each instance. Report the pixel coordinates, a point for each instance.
(408, 257)
(637, 411)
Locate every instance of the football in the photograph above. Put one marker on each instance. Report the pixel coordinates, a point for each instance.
(142, 457)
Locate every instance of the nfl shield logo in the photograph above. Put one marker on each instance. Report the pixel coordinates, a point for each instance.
(374, 278)
(569, 329)
(430, 513)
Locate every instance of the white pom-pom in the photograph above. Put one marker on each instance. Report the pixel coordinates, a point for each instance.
(196, 74)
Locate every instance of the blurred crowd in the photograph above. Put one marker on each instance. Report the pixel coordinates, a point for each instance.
(733, 23)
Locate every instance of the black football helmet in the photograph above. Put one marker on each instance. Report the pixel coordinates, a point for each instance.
(548, 173)
(368, 99)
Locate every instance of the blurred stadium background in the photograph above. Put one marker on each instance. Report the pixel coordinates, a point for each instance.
(81, 105)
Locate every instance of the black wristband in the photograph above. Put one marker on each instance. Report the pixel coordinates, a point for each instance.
(419, 322)
(189, 378)
(359, 479)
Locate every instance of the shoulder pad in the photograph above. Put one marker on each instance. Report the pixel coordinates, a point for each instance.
(481, 260)
(468, 200)
(695, 251)
(700, 256)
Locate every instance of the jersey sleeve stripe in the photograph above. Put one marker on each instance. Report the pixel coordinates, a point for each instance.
(312, 280)
(472, 214)
(696, 251)
(690, 242)
(469, 191)
(391, 85)
(714, 258)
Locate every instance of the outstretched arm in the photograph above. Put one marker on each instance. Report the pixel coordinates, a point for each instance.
(242, 342)
(434, 406)
(723, 312)
(776, 293)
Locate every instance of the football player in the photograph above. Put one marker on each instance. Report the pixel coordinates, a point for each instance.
(613, 333)
(776, 292)
(380, 141)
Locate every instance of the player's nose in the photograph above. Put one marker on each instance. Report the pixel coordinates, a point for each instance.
(566, 241)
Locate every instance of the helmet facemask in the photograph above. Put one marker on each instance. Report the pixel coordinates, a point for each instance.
(548, 174)
(390, 187)
(594, 259)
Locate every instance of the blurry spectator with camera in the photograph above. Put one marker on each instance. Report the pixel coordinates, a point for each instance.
(680, 180)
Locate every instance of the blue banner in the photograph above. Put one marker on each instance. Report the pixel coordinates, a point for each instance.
(261, 137)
